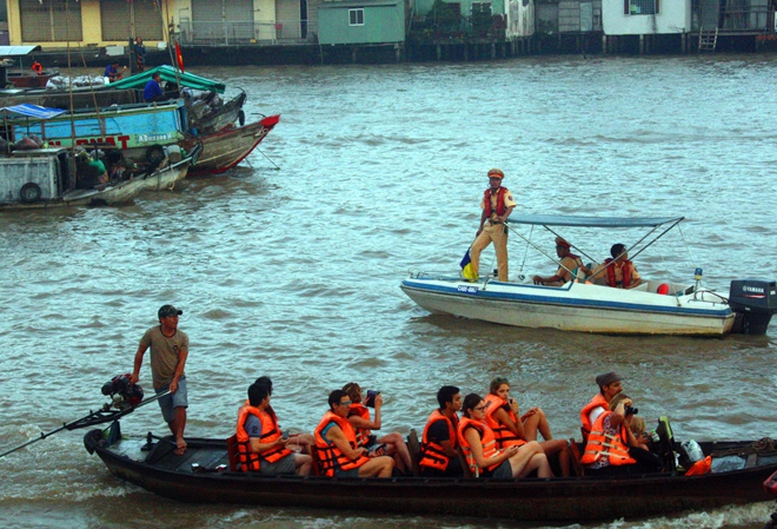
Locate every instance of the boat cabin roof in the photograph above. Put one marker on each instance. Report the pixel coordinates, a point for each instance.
(17, 51)
(169, 74)
(591, 222)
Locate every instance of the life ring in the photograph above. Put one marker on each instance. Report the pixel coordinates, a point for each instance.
(241, 117)
(30, 193)
(155, 154)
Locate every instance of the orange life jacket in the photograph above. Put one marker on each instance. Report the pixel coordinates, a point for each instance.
(248, 459)
(487, 441)
(625, 267)
(330, 457)
(504, 437)
(603, 444)
(432, 453)
(596, 401)
(37, 67)
(500, 201)
(362, 434)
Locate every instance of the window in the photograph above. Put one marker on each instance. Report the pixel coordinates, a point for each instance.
(356, 17)
(640, 7)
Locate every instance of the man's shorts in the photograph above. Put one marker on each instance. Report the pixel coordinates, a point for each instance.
(168, 403)
(284, 465)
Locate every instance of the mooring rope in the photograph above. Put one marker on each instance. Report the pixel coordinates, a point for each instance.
(763, 447)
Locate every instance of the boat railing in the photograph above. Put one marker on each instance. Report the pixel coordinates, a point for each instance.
(248, 32)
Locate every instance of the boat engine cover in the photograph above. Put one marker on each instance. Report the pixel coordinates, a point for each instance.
(756, 301)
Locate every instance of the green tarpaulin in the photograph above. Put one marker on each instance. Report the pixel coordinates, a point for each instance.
(167, 73)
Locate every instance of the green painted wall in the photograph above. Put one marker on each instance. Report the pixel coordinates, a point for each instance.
(383, 22)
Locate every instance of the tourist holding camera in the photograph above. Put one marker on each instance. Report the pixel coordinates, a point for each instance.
(359, 416)
(611, 448)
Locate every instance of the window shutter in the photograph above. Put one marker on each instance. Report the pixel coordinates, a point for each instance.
(657, 6)
(625, 7)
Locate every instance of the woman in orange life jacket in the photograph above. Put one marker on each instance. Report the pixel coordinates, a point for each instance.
(478, 443)
(300, 442)
(338, 453)
(612, 448)
(511, 428)
(359, 417)
(261, 445)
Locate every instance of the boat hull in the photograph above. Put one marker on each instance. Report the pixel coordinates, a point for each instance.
(553, 500)
(225, 149)
(573, 307)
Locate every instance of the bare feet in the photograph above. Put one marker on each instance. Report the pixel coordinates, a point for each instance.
(180, 447)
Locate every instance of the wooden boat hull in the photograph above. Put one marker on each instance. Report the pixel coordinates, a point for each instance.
(30, 80)
(225, 149)
(118, 192)
(574, 306)
(553, 500)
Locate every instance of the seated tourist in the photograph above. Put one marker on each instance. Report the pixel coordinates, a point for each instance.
(612, 449)
(261, 446)
(302, 442)
(336, 447)
(618, 271)
(570, 268)
(478, 443)
(439, 445)
(359, 417)
(510, 428)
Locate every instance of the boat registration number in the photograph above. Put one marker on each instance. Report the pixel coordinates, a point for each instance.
(467, 289)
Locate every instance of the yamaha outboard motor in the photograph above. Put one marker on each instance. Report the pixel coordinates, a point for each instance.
(754, 301)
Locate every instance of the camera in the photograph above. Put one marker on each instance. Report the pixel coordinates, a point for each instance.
(370, 400)
(631, 411)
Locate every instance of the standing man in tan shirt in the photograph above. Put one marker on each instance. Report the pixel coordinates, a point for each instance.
(497, 204)
(169, 350)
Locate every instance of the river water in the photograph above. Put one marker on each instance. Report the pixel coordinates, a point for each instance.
(290, 266)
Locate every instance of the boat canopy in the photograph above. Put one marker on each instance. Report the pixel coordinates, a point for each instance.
(17, 51)
(168, 73)
(591, 222)
(32, 111)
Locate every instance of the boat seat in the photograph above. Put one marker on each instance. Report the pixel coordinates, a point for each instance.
(574, 451)
(464, 464)
(232, 454)
(666, 444)
(415, 451)
(315, 468)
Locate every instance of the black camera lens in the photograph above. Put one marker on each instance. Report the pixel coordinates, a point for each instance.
(631, 411)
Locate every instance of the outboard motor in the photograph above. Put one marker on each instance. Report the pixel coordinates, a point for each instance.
(754, 301)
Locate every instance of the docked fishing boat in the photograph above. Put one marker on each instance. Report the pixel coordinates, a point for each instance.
(204, 474)
(141, 131)
(226, 148)
(655, 306)
(206, 111)
(42, 178)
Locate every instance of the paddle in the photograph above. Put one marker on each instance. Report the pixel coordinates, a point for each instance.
(100, 416)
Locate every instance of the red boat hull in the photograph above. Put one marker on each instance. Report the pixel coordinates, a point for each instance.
(225, 149)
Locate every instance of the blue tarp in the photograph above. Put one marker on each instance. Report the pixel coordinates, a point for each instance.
(32, 111)
(591, 222)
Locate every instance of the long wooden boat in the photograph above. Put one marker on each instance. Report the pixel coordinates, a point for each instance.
(140, 131)
(225, 149)
(203, 115)
(654, 307)
(31, 79)
(43, 178)
(202, 475)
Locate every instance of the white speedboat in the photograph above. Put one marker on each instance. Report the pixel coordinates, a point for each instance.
(653, 307)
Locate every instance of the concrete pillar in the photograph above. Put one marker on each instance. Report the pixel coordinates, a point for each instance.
(604, 45)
